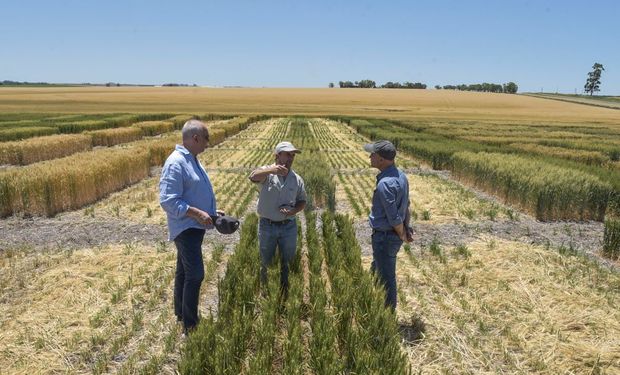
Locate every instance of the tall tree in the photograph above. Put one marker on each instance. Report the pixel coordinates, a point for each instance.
(594, 79)
(511, 88)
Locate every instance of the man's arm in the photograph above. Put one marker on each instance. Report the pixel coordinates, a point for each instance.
(400, 231)
(199, 215)
(260, 174)
(171, 191)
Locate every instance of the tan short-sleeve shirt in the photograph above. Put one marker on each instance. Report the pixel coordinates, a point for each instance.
(275, 194)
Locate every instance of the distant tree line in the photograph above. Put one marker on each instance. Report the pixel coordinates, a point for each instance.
(509, 88)
(17, 83)
(370, 84)
(107, 84)
(363, 84)
(404, 85)
(179, 85)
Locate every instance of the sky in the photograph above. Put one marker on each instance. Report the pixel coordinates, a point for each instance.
(540, 45)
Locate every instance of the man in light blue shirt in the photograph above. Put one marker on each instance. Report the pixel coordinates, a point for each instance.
(186, 194)
(389, 216)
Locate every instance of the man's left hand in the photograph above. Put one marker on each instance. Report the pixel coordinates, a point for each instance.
(287, 212)
(409, 234)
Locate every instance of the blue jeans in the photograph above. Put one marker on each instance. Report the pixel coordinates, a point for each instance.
(189, 275)
(282, 235)
(385, 246)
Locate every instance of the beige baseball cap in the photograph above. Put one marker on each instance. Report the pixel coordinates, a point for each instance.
(286, 147)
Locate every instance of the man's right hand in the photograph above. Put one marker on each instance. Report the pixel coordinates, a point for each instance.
(200, 216)
(259, 175)
(279, 170)
(205, 219)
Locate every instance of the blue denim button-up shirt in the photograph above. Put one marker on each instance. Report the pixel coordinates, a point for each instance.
(184, 183)
(390, 200)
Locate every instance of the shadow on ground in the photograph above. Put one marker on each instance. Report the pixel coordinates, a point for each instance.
(413, 331)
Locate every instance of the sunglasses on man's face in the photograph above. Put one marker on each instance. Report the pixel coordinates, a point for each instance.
(197, 139)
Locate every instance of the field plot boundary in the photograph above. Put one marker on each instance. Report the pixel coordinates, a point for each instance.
(576, 100)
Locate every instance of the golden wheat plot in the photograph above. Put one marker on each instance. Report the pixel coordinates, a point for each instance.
(33, 150)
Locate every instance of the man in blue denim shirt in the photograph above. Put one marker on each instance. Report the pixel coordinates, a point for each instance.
(389, 216)
(186, 194)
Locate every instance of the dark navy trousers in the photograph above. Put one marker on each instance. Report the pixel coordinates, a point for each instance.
(189, 275)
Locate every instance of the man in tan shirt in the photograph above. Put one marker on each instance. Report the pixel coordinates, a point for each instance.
(282, 195)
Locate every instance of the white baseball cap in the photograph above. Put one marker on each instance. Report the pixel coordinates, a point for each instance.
(286, 147)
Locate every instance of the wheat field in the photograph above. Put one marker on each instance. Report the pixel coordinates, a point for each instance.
(436, 104)
(485, 287)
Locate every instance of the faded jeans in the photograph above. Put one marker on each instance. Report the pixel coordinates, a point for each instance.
(385, 247)
(270, 236)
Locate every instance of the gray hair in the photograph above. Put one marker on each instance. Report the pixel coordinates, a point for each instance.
(194, 127)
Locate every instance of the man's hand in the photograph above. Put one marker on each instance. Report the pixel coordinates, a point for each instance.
(259, 175)
(279, 170)
(205, 219)
(409, 234)
(400, 231)
(287, 211)
(200, 216)
(220, 213)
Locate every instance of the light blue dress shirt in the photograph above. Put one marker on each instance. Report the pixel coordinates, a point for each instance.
(184, 183)
(390, 200)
